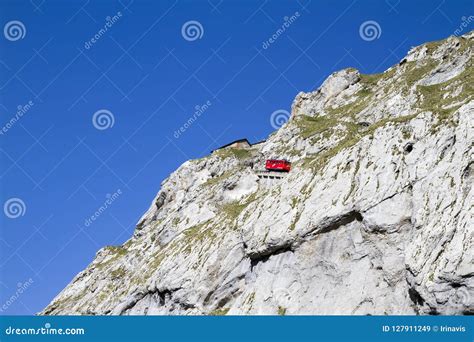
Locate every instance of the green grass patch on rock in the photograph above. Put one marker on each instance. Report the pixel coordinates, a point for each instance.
(219, 312)
(215, 180)
(229, 152)
(233, 209)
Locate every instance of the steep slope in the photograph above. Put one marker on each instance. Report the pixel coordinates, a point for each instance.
(374, 218)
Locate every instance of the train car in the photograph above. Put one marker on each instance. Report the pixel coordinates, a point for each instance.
(280, 165)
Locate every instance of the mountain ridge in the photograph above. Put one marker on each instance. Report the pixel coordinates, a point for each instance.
(375, 216)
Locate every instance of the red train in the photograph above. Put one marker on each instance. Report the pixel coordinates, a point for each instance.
(281, 165)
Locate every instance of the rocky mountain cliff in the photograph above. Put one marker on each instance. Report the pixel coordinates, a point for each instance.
(375, 217)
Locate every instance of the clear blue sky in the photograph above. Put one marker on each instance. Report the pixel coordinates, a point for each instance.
(150, 78)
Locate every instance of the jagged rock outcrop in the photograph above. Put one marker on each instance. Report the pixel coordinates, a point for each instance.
(376, 216)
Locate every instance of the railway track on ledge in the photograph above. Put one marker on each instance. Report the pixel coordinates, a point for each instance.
(263, 174)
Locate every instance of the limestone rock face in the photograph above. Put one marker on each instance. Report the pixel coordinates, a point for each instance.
(375, 217)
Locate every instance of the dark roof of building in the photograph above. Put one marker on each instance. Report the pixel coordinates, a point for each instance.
(231, 143)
